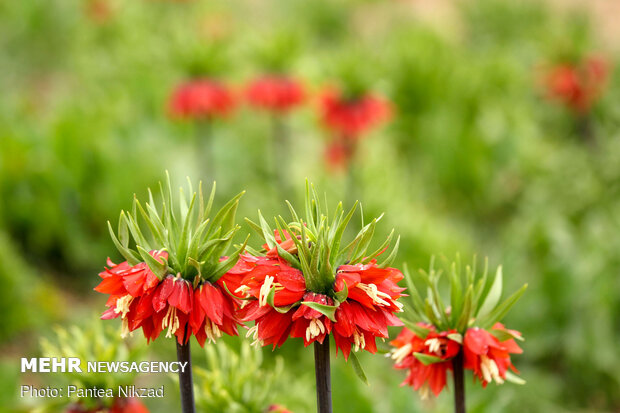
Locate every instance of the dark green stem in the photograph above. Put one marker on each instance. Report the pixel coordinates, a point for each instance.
(186, 383)
(323, 377)
(459, 383)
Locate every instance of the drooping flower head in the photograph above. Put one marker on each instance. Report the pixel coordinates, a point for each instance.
(351, 117)
(411, 348)
(578, 84)
(306, 282)
(466, 331)
(275, 93)
(488, 356)
(201, 99)
(173, 279)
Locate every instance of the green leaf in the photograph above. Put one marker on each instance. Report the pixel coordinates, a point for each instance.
(328, 311)
(456, 337)
(390, 258)
(342, 294)
(493, 296)
(427, 359)
(419, 331)
(159, 268)
(132, 257)
(357, 367)
(514, 378)
(501, 310)
(504, 335)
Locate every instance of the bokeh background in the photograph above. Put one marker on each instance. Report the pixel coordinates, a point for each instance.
(476, 158)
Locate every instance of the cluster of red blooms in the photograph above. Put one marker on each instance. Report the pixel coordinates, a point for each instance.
(202, 99)
(484, 354)
(172, 304)
(118, 406)
(578, 85)
(207, 98)
(348, 120)
(274, 294)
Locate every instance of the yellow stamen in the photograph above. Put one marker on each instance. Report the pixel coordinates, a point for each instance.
(315, 329)
(212, 330)
(170, 321)
(490, 372)
(122, 305)
(401, 353)
(359, 341)
(376, 295)
(425, 391)
(265, 288)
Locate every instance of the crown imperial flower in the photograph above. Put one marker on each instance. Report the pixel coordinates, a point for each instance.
(275, 93)
(201, 98)
(179, 285)
(466, 334)
(302, 284)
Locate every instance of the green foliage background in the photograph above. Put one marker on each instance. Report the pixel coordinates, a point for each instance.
(474, 161)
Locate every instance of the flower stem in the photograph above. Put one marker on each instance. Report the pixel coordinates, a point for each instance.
(280, 144)
(585, 129)
(459, 383)
(323, 377)
(203, 149)
(186, 383)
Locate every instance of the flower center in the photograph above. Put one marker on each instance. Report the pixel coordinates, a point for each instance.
(314, 329)
(266, 288)
(374, 293)
(170, 321)
(212, 330)
(425, 391)
(253, 331)
(122, 305)
(401, 353)
(489, 369)
(358, 340)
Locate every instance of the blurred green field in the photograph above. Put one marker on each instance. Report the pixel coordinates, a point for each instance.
(475, 160)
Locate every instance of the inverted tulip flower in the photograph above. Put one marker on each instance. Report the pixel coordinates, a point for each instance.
(277, 95)
(202, 100)
(173, 279)
(304, 284)
(411, 349)
(462, 335)
(578, 85)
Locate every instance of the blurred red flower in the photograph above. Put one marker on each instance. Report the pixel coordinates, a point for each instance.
(487, 356)
(350, 118)
(201, 99)
(578, 85)
(431, 377)
(172, 304)
(278, 94)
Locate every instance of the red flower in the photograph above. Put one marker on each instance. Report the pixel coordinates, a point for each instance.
(275, 292)
(339, 153)
(142, 300)
(425, 377)
(351, 118)
(487, 356)
(201, 99)
(128, 406)
(276, 408)
(275, 93)
(578, 86)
